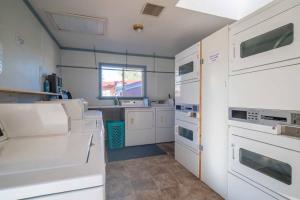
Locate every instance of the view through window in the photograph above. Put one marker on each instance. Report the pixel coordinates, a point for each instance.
(121, 81)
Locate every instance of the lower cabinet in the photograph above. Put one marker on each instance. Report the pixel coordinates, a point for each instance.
(149, 125)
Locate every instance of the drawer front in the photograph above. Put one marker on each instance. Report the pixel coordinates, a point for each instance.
(188, 93)
(267, 89)
(274, 40)
(188, 158)
(239, 189)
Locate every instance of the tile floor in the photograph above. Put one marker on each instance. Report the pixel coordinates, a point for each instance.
(154, 178)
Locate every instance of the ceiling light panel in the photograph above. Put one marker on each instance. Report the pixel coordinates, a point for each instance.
(79, 23)
(152, 9)
(232, 9)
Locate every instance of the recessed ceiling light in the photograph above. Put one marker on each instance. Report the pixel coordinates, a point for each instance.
(232, 9)
(138, 27)
(78, 23)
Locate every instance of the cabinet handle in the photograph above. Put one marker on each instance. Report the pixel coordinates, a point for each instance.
(232, 152)
(233, 49)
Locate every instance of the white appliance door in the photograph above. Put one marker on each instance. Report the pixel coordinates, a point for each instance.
(187, 134)
(188, 68)
(140, 126)
(272, 167)
(274, 40)
(187, 93)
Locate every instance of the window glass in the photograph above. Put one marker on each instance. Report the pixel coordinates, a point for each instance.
(186, 133)
(186, 68)
(121, 81)
(133, 83)
(273, 168)
(276, 38)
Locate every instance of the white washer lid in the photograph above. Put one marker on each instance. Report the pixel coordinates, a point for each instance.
(19, 155)
(92, 114)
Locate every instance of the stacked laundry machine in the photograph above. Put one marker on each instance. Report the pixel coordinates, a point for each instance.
(43, 157)
(187, 114)
(264, 113)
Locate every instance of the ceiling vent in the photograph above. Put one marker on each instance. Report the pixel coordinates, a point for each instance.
(152, 9)
(78, 23)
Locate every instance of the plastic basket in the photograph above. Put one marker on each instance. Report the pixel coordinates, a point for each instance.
(116, 134)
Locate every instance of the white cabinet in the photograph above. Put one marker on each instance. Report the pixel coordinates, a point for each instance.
(165, 121)
(215, 111)
(140, 126)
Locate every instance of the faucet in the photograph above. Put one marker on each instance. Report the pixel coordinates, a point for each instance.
(116, 101)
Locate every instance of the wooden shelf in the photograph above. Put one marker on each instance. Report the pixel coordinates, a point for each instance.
(29, 92)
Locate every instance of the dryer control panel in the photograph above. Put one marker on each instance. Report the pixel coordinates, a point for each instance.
(267, 117)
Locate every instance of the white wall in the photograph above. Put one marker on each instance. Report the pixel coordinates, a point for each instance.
(85, 83)
(23, 65)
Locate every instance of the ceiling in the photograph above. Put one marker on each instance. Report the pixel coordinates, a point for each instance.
(173, 31)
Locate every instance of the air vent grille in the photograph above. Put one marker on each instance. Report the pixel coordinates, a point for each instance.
(152, 9)
(78, 23)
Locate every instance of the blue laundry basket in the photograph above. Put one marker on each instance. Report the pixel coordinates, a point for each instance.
(116, 134)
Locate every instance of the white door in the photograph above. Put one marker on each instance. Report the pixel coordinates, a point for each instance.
(187, 65)
(188, 134)
(140, 126)
(274, 40)
(271, 166)
(215, 111)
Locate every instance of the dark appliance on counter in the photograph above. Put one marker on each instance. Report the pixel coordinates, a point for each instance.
(55, 83)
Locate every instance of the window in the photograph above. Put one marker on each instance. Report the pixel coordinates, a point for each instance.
(186, 133)
(273, 168)
(122, 81)
(274, 39)
(186, 68)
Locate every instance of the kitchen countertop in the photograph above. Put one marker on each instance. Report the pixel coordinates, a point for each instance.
(119, 106)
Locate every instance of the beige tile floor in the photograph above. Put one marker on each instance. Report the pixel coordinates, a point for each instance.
(154, 178)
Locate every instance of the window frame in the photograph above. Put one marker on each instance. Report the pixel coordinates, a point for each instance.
(113, 65)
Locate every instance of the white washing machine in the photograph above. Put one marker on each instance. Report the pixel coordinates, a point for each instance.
(81, 119)
(41, 159)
